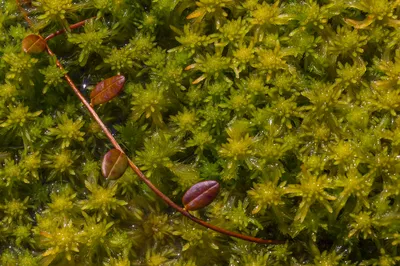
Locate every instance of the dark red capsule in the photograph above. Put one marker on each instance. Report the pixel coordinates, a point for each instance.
(114, 164)
(106, 90)
(33, 44)
(200, 195)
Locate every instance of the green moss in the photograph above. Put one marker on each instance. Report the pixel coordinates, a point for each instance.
(291, 105)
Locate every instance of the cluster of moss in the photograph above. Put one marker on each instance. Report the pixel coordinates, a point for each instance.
(291, 105)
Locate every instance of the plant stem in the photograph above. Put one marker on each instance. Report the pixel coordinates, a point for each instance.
(131, 164)
(23, 12)
(146, 180)
(73, 26)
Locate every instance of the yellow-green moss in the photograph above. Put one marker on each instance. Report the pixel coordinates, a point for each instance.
(291, 105)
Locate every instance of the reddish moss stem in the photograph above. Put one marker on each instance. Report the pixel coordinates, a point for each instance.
(131, 164)
(146, 180)
(73, 26)
(194, 219)
(23, 12)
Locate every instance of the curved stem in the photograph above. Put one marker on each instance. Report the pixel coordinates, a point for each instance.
(73, 26)
(131, 164)
(146, 180)
(195, 219)
(22, 10)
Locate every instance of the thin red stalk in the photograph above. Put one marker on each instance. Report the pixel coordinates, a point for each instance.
(146, 180)
(87, 105)
(22, 10)
(194, 219)
(131, 164)
(73, 26)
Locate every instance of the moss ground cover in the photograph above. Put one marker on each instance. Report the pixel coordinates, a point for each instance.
(290, 105)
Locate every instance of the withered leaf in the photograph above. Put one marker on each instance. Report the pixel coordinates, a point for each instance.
(114, 164)
(106, 90)
(200, 195)
(33, 44)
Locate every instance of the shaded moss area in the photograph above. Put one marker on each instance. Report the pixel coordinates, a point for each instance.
(290, 105)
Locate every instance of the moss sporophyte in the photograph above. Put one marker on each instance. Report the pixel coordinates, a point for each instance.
(287, 108)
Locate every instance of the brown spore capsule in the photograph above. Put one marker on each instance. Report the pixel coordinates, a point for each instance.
(200, 195)
(107, 89)
(33, 44)
(114, 164)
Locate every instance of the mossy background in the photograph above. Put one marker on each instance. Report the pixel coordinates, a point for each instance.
(290, 105)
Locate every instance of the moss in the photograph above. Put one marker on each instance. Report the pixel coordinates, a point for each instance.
(291, 105)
